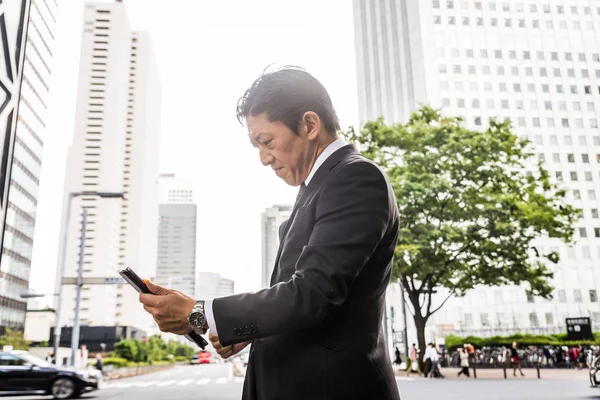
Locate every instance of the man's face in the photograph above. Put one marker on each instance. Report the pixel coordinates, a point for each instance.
(290, 156)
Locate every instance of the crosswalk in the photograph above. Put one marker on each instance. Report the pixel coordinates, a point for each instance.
(172, 382)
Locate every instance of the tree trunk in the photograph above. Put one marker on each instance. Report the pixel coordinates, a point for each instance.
(420, 327)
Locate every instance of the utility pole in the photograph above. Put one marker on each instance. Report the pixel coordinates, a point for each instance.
(76, 324)
(405, 328)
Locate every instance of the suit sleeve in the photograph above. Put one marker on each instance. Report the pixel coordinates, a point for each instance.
(352, 216)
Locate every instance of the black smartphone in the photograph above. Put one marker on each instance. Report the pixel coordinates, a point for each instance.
(134, 280)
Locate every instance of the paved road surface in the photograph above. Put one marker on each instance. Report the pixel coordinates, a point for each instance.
(208, 382)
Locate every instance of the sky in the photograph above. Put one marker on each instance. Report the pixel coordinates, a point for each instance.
(208, 54)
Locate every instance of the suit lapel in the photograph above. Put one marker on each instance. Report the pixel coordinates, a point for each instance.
(313, 185)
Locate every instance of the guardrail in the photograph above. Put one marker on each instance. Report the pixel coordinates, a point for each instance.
(125, 372)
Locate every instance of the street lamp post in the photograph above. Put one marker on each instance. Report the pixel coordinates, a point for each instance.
(405, 328)
(61, 260)
(76, 324)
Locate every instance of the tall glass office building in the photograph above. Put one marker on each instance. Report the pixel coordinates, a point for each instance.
(15, 264)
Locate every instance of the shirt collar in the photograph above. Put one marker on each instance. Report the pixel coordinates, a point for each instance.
(329, 150)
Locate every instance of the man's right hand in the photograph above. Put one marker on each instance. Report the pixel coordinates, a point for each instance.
(227, 351)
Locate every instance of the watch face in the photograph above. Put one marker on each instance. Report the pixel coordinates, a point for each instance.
(197, 319)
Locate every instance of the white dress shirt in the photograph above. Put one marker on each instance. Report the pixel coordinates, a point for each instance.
(328, 151)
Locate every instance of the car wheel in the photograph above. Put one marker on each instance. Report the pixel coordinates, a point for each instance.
(63, 388)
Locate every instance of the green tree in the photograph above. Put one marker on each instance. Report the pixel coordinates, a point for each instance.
(470, 214)
(183, 350)
(156, 348)
(15, 339)
(127, 349)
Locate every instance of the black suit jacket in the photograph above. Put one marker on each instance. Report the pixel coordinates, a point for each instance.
(317, 331)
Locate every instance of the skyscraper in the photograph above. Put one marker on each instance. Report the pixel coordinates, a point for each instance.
(535, 63)
(139, 229)
(271, 220)
(212, 286)
(176, 257)
(115, 149)
(21, 207)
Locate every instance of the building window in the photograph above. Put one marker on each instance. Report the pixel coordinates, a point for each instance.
(562, 296)
(570, 156)
(559, 176)
(533, 320)
(485, 320)
(549, 319)
(591, 194)
(588, 176)
(585, 158)
(595, 213)
(576, 194)
(565, 122)
(530, 298)
(582, 233)
(577, 295)
(597, 232)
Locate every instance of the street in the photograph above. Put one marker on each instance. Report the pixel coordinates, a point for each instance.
(207, 382)
(194, 382)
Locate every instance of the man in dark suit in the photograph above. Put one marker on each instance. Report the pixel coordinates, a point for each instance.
(316, 333)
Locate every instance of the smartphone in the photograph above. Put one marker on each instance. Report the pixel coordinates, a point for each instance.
(134, 280)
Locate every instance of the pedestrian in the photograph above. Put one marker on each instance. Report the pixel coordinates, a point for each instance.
(317, 331)
(464, 361)
(414, 364)
(428, 357)
(99, 364)
(398, 359)
(515, 360)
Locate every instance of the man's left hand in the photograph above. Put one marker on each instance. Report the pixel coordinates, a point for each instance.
(170, 308)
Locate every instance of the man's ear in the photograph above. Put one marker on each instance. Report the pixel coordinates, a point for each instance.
(312, 124)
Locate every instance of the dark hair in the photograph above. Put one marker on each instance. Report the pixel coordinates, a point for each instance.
(285, 95)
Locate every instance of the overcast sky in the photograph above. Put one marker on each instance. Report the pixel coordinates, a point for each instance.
(208, 53)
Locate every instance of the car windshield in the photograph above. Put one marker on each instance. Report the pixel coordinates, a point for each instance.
(35, 360)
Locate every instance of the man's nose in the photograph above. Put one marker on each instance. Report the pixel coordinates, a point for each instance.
(265, 157)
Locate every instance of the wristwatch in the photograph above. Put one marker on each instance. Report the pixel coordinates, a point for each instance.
(197, 318)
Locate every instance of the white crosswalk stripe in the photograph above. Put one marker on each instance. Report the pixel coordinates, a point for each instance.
(182, 382)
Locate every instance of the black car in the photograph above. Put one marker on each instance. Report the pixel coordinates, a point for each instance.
(23, 374)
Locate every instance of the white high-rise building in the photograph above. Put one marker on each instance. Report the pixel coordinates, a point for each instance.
(174, 190)
(534, 62)
(212, 286)
(115, 149)
(139, 227)
(176, 256)
(21, 208)
(271, 220)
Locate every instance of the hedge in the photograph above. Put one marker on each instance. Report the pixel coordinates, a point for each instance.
(522, 340)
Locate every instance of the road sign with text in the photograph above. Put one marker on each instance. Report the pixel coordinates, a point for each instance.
(95, 281)
(579, 328)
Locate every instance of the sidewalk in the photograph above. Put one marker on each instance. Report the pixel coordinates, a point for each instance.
(498, 373)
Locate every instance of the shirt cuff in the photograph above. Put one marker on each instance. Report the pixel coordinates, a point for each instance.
(210, 317)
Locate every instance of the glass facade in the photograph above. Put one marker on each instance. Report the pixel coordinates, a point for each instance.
(17, 246)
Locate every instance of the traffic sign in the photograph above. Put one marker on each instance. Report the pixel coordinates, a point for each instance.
(95, 281)
(579, 328)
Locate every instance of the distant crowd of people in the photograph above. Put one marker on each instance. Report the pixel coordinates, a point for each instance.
(467, 356)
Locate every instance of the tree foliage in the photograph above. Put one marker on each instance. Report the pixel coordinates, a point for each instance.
(14, 338)
(154, 349)
(470, 213)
